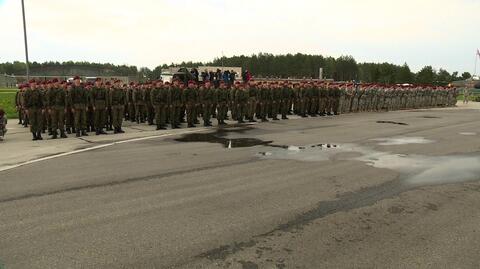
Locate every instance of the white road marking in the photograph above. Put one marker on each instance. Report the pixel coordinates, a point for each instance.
(9, 167)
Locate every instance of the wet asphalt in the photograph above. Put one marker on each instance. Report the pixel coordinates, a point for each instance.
(394, 190)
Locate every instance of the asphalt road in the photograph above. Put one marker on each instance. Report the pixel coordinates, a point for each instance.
(373, 190)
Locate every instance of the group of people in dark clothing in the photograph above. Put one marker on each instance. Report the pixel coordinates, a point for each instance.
(61, 108)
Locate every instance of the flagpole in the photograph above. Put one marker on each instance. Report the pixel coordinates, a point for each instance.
(25, 39)
(477, 55)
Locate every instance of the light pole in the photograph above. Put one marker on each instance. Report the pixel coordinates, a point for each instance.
(25, 37)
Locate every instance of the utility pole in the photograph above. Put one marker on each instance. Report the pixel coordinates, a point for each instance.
(25, 38)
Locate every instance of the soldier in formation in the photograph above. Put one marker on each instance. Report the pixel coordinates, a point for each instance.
(64, 107)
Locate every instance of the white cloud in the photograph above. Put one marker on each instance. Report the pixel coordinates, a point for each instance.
(147, 32)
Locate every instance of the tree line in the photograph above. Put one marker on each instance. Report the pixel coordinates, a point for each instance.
(343, 68)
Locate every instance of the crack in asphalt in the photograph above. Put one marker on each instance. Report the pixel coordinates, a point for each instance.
(348, 201)
(126, 181)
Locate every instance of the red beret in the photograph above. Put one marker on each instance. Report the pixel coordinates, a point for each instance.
(76, 77)
(191, 82)
(32, 81)
(55, 80)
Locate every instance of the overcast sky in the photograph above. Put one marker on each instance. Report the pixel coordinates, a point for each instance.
(148, 33)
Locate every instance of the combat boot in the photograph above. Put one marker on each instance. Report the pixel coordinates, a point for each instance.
(50, 132)
(102, 132)
(97, 132)
(78, 133)
(120, 131)
(69, 131)
(62, 134)
(34, 136)
(84, 133)
(39, 136)
(54, 135)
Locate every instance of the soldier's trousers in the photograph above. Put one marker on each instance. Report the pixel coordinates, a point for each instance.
(47, 122)
(35, 116)
(20, 115)
(206, 114)
(25, 118)
(233, 110)
(58, 119)
(69, 121)
(140, 112)
(174, 115)
(190, 114)
(221, 111)
(100, 117)
(131, 112)
(160, 115)
(117, 116)
(90, 117)
(150, 113)
(322, 105)
(252, 105)
(275, 109)
(263, 111)
(284, 108)
(80, 116)
(241, 111)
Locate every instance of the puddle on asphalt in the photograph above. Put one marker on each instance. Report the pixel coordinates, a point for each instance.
(468, 133)
(414, 169)
(226, 142)
(400, 140)
(392, 122)
(430, 117)
(222, 136)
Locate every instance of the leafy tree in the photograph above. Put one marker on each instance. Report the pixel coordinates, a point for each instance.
(443, 77)
(404, 75)
(466, 75)
(426, 75)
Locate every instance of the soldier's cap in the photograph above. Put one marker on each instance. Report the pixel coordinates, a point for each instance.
(98, 79)
(55, 80)
(76, 77)
(32, 81)
(108, 83)
(132, 83)
(69, 83)
(191, 82)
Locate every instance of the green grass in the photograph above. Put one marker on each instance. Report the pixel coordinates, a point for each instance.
(471, 97)
(7, 102)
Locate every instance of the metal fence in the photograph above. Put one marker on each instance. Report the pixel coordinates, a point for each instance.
(7, 81)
